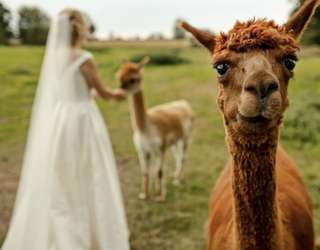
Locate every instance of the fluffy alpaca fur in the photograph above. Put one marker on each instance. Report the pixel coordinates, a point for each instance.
(259, 201)
(259, 33)
(156, 129)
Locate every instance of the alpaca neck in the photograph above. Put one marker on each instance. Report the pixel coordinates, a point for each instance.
(138, 111)
(254, 194)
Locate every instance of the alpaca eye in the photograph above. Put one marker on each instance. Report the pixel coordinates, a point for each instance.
(132, 81)
(290, 63)
(221, 68)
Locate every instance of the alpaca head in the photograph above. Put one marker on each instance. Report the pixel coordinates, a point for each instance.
(254, 62)
(130, 75)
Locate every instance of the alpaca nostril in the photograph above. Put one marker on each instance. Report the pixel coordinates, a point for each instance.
(267, 89)
(273, 87)
(250, 89)
(262, 88)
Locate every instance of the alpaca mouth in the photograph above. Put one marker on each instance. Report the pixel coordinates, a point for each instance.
(255, 120)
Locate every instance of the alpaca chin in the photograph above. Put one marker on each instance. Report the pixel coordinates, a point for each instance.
(133, 91)
(253, 125)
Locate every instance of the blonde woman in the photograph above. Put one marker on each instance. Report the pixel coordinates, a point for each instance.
(69, 197)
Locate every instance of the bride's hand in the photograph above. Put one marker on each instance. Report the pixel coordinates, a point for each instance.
(119, 94)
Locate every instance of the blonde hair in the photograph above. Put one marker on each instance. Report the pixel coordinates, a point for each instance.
(79, 24)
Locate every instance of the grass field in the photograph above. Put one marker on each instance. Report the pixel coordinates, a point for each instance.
(180, 222)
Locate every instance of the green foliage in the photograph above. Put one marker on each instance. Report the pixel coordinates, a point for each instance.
(37, 34)
(92, 28)
(5, 30)
(92, 25)
(3, 39)
(312, 33)
(35, 19)
(161, 59)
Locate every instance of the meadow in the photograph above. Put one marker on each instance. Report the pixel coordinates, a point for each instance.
(180, 221)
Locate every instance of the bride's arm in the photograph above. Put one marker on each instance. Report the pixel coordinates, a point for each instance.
(90, 71)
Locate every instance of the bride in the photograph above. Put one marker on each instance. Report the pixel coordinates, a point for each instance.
(69, 197)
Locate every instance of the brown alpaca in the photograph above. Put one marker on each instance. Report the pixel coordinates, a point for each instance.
(259, 201)
(155, 129)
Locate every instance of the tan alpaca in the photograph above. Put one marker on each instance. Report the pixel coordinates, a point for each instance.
(259, 202)
(155, 129)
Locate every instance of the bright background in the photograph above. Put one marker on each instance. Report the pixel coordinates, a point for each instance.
(141, 17)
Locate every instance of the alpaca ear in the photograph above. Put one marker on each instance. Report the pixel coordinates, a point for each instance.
(207, 40)
(123, 60)
(300, 20)
(144, 61)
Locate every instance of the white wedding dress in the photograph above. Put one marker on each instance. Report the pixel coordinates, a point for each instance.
(69, 196)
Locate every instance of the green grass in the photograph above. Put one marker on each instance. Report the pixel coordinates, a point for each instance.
(180, 222)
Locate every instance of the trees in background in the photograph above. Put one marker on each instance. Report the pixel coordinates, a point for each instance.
(37, 34)
(312, 33)
(5, 30)
(33, 25)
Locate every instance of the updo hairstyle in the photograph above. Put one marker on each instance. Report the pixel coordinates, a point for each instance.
(79, 24)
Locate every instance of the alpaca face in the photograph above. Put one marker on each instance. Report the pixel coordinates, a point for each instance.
(253, 87)
(130, 75)
(255, 61)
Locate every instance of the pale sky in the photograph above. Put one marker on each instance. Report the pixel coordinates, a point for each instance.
(142, 17)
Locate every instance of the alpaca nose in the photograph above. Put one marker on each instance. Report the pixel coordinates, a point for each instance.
(262, 87)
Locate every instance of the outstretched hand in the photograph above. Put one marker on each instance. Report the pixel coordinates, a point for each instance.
(119, 94)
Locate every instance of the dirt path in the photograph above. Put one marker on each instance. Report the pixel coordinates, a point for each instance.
(9, 177)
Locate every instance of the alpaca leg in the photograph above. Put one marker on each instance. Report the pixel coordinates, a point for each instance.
(180, 156)
(160, 180)
(144, 158)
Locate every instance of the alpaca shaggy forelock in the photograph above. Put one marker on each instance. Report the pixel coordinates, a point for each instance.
(259, 33)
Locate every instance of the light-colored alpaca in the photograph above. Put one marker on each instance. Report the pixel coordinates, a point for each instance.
(155, 129)
(259, 202)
